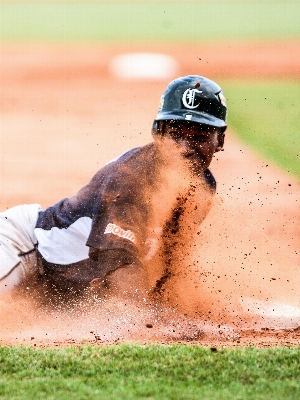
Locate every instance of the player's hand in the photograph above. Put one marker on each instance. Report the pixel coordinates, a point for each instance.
(128, 282)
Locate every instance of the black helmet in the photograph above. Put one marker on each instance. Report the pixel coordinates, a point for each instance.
(193, 98)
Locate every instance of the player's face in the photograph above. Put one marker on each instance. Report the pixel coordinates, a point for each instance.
(197, 143)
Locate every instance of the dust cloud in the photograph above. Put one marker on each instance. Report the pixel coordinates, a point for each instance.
(241, 268)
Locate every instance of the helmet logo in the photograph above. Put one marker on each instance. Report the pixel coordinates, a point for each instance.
(188, 98)
(222, 99)
(161, 102)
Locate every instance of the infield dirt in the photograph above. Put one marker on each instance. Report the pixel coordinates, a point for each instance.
(63, 116)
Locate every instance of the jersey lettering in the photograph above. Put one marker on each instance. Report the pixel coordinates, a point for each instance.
(116, 230)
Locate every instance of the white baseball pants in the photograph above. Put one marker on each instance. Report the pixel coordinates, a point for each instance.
(17, 246)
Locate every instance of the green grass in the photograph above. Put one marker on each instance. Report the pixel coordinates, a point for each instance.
(265, 114)
(140, 21)
(150, 372)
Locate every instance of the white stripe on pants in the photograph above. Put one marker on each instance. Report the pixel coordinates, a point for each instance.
(17, 243)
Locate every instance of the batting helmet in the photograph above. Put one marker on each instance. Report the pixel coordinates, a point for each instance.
(193, 98)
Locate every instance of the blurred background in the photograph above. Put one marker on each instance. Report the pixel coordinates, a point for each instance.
(81, 81)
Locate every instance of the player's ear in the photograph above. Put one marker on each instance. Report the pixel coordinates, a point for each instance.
(221, 138)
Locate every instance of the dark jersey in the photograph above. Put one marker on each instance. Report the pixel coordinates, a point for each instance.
(104, 225)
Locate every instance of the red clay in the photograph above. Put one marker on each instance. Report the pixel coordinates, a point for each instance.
(63, 116)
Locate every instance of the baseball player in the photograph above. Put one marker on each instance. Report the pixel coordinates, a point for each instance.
(109, 231)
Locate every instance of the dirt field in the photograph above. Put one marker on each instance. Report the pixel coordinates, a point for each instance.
(63, 115)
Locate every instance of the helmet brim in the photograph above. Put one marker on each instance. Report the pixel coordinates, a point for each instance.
(193, 116)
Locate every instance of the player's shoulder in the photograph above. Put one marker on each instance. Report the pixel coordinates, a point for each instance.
(123, 156)
(130, 163)
(131, 166)
(134, 154)
(137, 161)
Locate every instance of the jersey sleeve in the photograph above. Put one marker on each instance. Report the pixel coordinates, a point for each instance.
(120, 212)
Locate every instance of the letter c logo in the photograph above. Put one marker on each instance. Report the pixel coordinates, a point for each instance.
(188, 98)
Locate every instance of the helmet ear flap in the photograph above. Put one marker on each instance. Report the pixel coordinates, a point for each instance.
(158, 128)
(161, 127)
